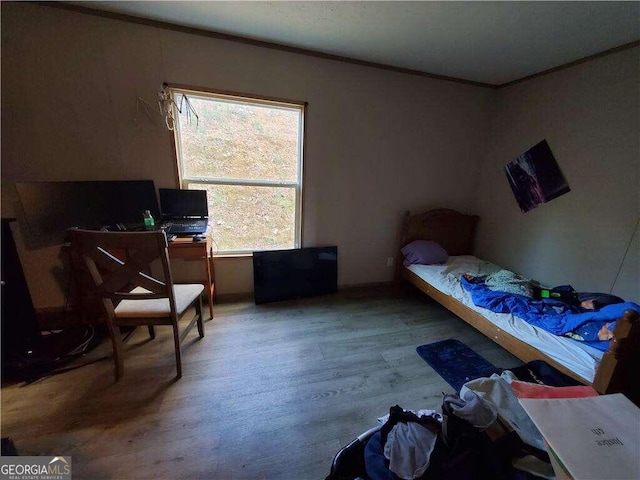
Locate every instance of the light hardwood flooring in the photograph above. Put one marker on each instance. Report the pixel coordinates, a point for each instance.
(272, 391)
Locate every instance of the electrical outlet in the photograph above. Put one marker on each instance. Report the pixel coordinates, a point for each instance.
(389, 261)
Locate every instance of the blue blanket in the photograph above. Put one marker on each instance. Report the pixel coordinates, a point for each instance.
(550, 315)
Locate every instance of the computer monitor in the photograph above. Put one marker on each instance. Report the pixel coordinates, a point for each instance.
(50, 208)
(179, 203)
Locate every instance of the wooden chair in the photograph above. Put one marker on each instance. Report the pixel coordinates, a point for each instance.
(119, 267)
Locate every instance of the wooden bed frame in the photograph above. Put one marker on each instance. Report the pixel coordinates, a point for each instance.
(619, 368)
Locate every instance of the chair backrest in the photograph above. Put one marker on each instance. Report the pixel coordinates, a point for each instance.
(117, 262)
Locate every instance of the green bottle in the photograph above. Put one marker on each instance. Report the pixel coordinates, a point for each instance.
(149, 222)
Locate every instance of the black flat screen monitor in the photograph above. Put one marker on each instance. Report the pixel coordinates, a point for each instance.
(177, 203)
(51, 208)
(287, 274)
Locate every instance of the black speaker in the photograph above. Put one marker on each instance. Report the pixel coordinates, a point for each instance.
(20, 330)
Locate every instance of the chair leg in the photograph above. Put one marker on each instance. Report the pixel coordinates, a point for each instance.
(118, 353)
(176, 341)
(199, 321)
(152, 331)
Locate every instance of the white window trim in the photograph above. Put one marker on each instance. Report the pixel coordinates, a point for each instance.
(184, 180)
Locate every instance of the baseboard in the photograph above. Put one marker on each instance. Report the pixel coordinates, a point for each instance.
(232, 298)
(248, 296)
(54, 318)
(365, 285)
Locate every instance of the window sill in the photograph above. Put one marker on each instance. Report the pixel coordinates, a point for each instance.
(225, 256)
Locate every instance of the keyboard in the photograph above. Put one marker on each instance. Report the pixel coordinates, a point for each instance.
(185, 226)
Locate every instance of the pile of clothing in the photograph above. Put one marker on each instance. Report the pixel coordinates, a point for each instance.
(481, 433)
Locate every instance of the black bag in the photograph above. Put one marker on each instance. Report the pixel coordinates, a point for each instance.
(467, 453)
(461, 452)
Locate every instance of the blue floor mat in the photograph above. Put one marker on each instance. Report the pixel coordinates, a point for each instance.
(455, 362)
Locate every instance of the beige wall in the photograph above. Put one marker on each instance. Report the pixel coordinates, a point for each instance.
(590, 116)
(378, 142)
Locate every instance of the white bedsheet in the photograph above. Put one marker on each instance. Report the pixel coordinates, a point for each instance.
(579, 358)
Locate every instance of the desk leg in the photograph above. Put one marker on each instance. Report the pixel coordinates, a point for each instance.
(210, 285)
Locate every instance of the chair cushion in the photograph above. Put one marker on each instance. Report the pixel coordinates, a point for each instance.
(156, 308)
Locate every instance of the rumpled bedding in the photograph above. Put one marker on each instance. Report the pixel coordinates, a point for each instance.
(509, 282)
(553, 316)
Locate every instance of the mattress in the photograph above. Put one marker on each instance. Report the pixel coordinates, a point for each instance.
(577, 357)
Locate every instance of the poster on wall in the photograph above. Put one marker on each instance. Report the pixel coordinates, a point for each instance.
(535, 177)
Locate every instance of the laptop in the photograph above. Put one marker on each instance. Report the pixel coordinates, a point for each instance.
(184, 212)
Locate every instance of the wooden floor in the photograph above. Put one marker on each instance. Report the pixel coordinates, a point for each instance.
(272, 391)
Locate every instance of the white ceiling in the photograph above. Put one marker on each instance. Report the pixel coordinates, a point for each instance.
(488, 42)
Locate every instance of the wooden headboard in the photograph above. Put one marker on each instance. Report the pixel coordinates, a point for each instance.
(453, 230)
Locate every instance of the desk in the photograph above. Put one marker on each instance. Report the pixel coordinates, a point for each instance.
(187, 249)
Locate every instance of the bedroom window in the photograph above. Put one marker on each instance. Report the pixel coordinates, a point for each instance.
(247, 154)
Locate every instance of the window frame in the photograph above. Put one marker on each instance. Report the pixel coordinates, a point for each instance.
(240, 98)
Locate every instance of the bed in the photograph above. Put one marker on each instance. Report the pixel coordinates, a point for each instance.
(611, 371)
